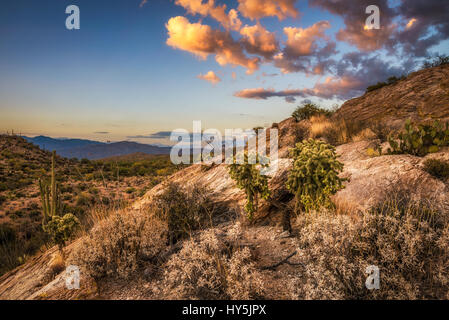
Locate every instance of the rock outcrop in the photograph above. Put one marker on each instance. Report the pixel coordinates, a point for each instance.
(422, 96)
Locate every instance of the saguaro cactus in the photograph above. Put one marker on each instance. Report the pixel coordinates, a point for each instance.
(59, 227)
(50, 195)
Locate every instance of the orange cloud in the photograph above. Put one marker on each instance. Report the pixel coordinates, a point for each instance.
(202, 41)
(228, 20)
(210, 76)
(258, 40)
(257, 9)
(331, 88)
(334, 87)
(301, 42)
(411, 23)
(365, 39)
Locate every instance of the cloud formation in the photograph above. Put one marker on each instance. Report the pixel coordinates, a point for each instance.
(257, 40)
(409, 29)
(302, 42)
(156, 135)
(257, 9)
(209, 8)
(210, 77)
(202, 41)
(354, 16)
(142, 3)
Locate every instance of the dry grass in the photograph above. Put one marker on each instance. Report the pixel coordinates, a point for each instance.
(338, 131)
(319, 125)
(346, 208)
(118, 245)
(407, 241)
(211, 268)
(364, 135)
(56, 264)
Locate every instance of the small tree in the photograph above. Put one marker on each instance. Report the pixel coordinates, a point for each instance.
(309, 110)
(60, 228)
(249, 179)
(314, 176)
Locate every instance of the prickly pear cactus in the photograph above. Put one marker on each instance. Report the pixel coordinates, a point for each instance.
(314, 176)
(420, 140)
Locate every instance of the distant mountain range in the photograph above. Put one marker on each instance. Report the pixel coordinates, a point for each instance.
(94, 150)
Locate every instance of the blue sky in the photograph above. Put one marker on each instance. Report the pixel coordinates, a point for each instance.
(117, 74)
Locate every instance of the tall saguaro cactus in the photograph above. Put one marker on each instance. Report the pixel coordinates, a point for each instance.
(59, 227)
(50, 196)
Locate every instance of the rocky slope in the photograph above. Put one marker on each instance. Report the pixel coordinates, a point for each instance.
(423, 95)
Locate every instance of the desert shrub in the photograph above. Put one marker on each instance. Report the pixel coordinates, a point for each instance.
(390, 81)
(420, 139)
(2, 199)
(437, 61)
(404, 240)
(118, 245)
(380, 129)
(207, 268)
(314, 175)
(61, 228)
(248, 178)
(308, 110)
(84, 199)
(437, 168)
(130, 190)
(183, 209)
(7, 234)
(375, 150)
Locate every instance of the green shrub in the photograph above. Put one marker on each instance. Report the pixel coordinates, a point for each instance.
(84, 199)
(7, 234)
(390, 81)
(419, 140)
(308, 110)
(62, 228)
(130, 190)
(183, 209)
(380, 129)
(248, 178)
(437, 168)
(314, 176)
(437, 61)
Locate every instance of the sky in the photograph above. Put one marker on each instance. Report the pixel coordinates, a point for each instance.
(137, 70)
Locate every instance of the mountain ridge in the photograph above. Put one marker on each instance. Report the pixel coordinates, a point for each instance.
(94, 150)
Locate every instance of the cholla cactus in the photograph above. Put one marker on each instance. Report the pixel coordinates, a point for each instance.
(59, 227)
(314, 176)
(250, 180)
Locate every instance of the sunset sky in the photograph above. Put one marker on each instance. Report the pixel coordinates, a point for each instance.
(139, 69)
